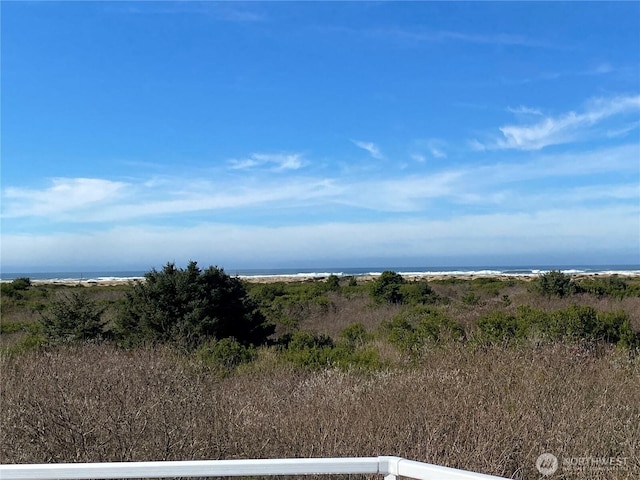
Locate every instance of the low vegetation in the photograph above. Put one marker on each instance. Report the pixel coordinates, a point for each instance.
(483, 374)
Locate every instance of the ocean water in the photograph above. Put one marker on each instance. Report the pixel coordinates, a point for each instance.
(109, 275)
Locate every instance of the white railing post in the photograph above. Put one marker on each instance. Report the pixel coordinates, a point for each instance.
(389, 467)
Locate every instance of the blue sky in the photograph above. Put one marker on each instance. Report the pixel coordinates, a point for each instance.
(262, 134)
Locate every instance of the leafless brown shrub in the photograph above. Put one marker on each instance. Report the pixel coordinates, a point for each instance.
(489, 410)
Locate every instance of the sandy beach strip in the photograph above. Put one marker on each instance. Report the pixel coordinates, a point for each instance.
(414, 276)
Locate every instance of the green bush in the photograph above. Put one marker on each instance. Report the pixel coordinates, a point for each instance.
(354, 336)
(306, 350)
(471, 298)
(386, 288)
(72, 317)
(613, 286)
(555, 284)
(227, 353)
(418, 293)
(189, 307)
(333, 283)
(574, 323)
(414, 329)
(586, 323)
(499, 328)
(15, 287)
(287, 304)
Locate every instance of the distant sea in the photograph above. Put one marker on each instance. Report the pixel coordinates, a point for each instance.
(108, 275)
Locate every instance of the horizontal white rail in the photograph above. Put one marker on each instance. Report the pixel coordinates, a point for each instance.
(390, 467)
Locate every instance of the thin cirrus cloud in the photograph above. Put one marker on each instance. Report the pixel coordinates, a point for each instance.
(64, 195)
(70, 200)
(100, 200)
(429, 148)
(273, 161)
(370, 147)
(561, 129)
(523, 110)
(441, 36)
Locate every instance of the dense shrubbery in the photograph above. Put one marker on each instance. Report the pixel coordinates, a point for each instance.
(223, 319)
(226, 353)
(555, 283)
(190, 306)
(72, 317)
(286, 305)
(15, 287)
(613, 286)
(386, 288)
(307, 350)
(416, 328)
(577, 322)
(393, 288)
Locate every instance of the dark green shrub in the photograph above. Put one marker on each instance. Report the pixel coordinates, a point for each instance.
(72, 317)
(414, 329)
(227, 353)
(287, 304)
(533, 323)
(471, 298)
(22, 283)
(354, 336)
(15, 287)
(613, 286)
(304, 349)
(575, 323)
(418, 293)
(189, 307)
(555, 283)
(586, 323)
(435, 327)
(499, 328)
(386, 288)
(333, 283)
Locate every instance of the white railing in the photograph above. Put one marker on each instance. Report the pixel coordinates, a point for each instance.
(390, 467)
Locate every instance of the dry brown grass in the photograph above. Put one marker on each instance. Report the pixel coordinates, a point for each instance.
(489, 410)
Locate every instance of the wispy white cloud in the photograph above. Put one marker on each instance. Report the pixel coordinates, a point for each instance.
(436, 151)
(565, 128)
(431, 148)
(370, 147)
(221, 11)
(568, 209)
(102, 201)
(604, 68)
(522, 110)
(63, 196)
(623, 130)
(440, 36)
(277, 161)
(600, 69)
